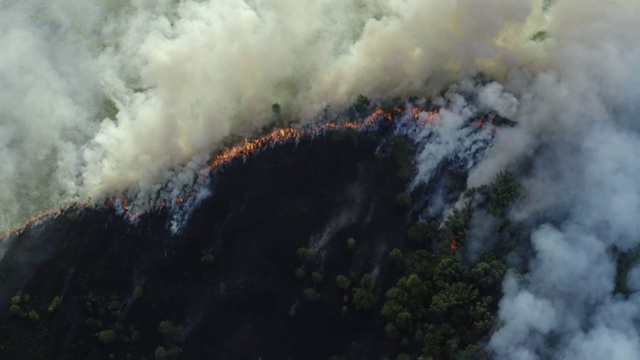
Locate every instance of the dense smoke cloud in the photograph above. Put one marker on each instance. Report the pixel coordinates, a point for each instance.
(576, 148)
(112, 97)
(103, 98)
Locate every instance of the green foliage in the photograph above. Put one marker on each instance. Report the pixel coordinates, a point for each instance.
(94, 323)
(208, 259)
(14, 309)
(361, 104)
(26, 298)
(300, 273)
(489, 274)
(363, 299)
(276, 109)
(138, 292)
(16, 300)
(403, 357)
(367, 282)
(403, 200)
(502, 192)
(423, 231)
(442, 303)
(351, 243)
(162, 353)
(396, 256)
(457, 223)
(107, 336)
(391, 331)
(33, 315)
(305, 254)
(403, 320)
(343, 282)
(420, 262)
(311, 294)
(55, 303)
(316, 276)
(167, 329)
(539, 36)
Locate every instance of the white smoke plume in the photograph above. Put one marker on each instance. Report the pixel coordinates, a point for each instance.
(576, 146)
(103, 98)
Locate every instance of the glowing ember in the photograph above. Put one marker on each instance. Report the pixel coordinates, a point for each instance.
(243, 151)
(454, 243)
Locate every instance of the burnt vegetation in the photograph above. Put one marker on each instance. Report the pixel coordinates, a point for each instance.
(250, 275)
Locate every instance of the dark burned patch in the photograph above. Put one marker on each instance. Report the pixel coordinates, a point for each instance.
(231, 285)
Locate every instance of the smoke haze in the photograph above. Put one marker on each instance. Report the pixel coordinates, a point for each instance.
(107, 98)
(110, 98)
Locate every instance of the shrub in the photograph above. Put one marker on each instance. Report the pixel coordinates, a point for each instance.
(14, 309)
(343, 282)
(107, 336)
(396, 256)
(311, 295)
(33, 315)
(55, 303)
(300, 273)
(16, 300)
(403, 200)
(362, 299)
(316, 276)
(391, 331)
(138, 292)
(166, 329)
(403, 320)
(168, 354)
(361, 104)
(351, 243)
(305, 254)
(367, 281)
(208, 259)
(423, 231)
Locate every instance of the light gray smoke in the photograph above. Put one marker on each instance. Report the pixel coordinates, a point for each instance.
(102, 98)
(105, 98)
(578, 135)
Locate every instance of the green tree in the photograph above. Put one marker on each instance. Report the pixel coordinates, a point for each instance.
(403, 320)
(33, 315)
(311, 294)
(396, 256)
(391, 331)
(138, 292)
(423, 231)
(351, 243)
(361, 104)
(300, 273)
(55, 303)
(167, 329)
(363, 299)
(367, 281)
(343, 282)
(172, 353)
(107, 336)
(403, 200)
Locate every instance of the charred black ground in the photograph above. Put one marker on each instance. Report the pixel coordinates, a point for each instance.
(242, 279)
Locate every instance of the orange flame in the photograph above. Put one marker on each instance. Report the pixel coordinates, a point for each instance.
(244, 150)
(454, 243)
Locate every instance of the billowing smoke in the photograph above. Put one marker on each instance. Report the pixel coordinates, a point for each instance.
(576, 148)
(105, 98)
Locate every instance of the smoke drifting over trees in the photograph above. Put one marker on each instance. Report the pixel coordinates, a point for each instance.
(103, 98)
